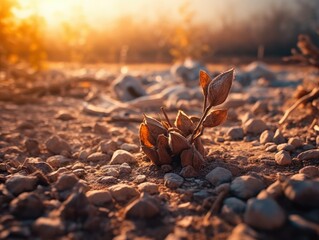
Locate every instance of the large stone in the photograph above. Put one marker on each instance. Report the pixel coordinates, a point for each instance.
(122, 156)
(266, 136)
(20, 183)
(48, 228)
(56, 145)
(144, 208)
(246, 186)
(310, 171)
(283, 158)
(148, 187)
(58, 161)
(308, 155)
(304, 193)
(233, 204)
(66, 182)
(123, 192)
(235, 133)
(264, 214)
(172, 180)
(219, 175)
(99, 197)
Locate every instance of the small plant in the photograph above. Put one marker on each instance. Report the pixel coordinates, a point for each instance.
(163, 142)
(307, 54)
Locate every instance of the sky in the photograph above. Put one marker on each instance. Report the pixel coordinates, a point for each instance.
(98, 12)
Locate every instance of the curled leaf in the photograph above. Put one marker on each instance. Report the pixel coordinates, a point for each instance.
(155, 126)
(199, 146)
(191, 157)
(184, 123)
(215, 118)
(177, 142)
(219, 88)
(204, 81)
(151, 153)
(146, 137)
(163, 150)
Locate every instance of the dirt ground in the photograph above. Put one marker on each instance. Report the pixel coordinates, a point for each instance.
(192, 210)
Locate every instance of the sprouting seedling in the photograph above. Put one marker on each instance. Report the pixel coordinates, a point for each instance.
(163, 141)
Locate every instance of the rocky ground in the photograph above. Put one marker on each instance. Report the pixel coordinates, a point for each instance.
(71, 165)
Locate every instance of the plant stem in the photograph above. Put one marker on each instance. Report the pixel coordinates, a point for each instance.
(166, 117)
(200, 123)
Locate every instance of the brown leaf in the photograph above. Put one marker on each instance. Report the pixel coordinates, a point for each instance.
(199, 146)
(163, 150)
(184, 123)
(177, 142)
(187, 157)
(215, 118)
(151, 153)
(146, 137)
(204, 81)
(198, 160)
(155, 126)
(219, 88)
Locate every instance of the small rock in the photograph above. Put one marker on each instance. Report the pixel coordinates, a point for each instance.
(108, 146)
(66, 182)
(114, 172)
(57, 145)
(58, 161)
(235, 133)
(218, 176)
(264, 214)
(101, 129)
(255, 126)
(246, 186)
(143, 208)
(99, 197)
(48, 228)
(275, 189)
(285, 146)
(283, 158)
(304, 193)
(84, 154)
(243, 232)
(166, 168)
(27, 206)
(17, 184)
(123, 192)
(266, 136)
(130, 147)
(233, 204)
(172, 180)
(271, 148)
(308, 146)
(64, 116)
(308, 155)
(122, 156)
(278, 137)
(140, 178)
(296, 142)
(76, 207)
(148, 187)
(125, 168)
(107, 180)
(188, 172)
(299, 177)
(80, 173)
(260, 107)
(97, 157)
(310, 171)
(32, 147)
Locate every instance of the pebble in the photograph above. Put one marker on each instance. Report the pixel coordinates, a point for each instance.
(188, 172)
(285, 146)
(140, 178)
(308, 146)
(235, 133)
(260, 107)
(130, 147)
(27, 206)
(58, 161)
(254, 126)
(100, 129)
(43, 167)
(233, 204)
(246, 186)
(125, 168)
(98, 156)
(32, 146)
(172, 180)
(296, 142)
(148, 187)
(218, 176)
(308, 155)
(75, 207)
(122, 192)
(304, 193)
(99, 197)
(107, 180)
(80, 173)
(122, 156)
(17, 184)
(243, 232)
(56, 145)
(108, 146)
(66, 182)
(114, 172)
(278, 137)
(264, 214)
(48, 228)
(144, 208)
(266, 137)
(275, 189)
(271, 148)
(310, 171)
(283, 158)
